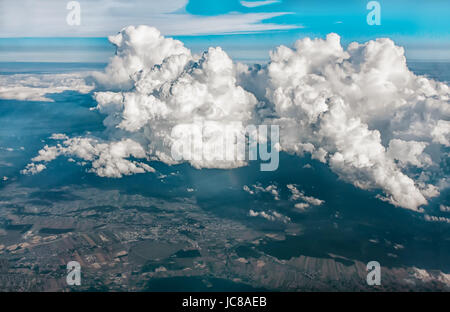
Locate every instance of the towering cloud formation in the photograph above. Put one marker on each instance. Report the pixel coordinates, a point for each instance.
(359, 110)
(341, 105)
(173, 90)
(137, 48)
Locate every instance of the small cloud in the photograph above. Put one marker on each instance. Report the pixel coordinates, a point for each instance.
(33, 168)
(301, 206)
(270, 215)
(437, 219)
(258, 188)
(59, 136)
(248, 190)
(297, 194)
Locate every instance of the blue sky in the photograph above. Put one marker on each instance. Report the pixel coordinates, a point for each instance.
(246, 29)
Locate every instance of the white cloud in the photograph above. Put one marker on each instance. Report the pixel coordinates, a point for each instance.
(139, 48)
(47, 154)
(422, 274)
(444, 278)
(426, 277)
(107, 159)
(332, 100)
(59, 136)
(34, 87)
(409, 152)
(437, 219)
(441, 132)
(254, 4)
(270, 215)
(248, 190)
(101, 18)
(297, 195)
(338, 105)
(33, 168)
(258, 188)
(302, 206)
(183, 90)
(233, 23)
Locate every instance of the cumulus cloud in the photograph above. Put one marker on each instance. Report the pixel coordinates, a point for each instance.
(441, 132)
(359, 110)
(437, 219)
(302, 206)
(270, 215)
(59, 136)
(341, 105)
(307, 201)
(108, 159)
(172, 93)
(409, 152)
(139, 48)
(33, 168)
(271, 189)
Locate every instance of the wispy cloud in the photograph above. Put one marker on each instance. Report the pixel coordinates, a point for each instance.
(28, 87)
(253, 4)
(101, 18)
